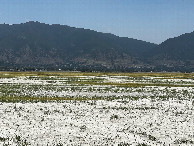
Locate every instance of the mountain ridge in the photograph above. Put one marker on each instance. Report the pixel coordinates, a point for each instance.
(39, 45)
(79, 28)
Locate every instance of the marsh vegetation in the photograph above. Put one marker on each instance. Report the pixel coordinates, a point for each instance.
(61, 108)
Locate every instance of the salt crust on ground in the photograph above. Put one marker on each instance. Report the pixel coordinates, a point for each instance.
(148, 120)
(95, 123)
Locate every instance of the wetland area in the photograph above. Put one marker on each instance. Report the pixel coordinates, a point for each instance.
(75, 108)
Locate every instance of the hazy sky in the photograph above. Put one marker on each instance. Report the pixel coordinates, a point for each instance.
(149, 20)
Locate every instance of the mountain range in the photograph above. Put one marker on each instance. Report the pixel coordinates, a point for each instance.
(35, 45)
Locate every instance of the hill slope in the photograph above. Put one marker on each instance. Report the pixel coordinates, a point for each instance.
(176, 52)
(35, 44)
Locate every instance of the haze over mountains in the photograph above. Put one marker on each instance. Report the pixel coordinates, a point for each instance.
(35, 45)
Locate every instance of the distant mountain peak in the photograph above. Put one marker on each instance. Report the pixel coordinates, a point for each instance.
(34, 44)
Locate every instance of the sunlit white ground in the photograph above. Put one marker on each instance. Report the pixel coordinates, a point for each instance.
(152, 115)
(152, 122)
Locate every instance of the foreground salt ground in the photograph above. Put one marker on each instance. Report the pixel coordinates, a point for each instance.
(134, 122)
(96, 110)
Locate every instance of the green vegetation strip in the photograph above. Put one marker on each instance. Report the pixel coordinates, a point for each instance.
(43, 74)
(46, 99)
(135, 85)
